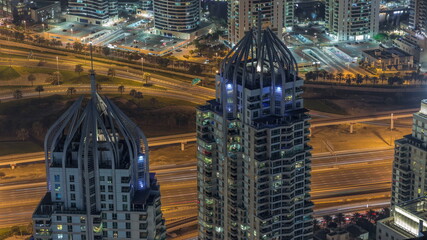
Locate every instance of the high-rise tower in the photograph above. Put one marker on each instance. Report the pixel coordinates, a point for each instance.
(410, 160)
(176, 16)
(92, 11)
(243, 16)
(253, 153)
(352, 20)
(98, 180)
(418, 15)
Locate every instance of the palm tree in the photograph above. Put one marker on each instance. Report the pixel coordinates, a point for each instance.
(111, 72)
(17, 94)
(78, 69)
(147, 76)
(374, 80)
(348, 78)
(331, 76)
(121, 89)
(39, 89)
(359, 79)
(367, 78)
(31, 78)
(382, 78)
(132, 92)
(340, 75)
(71, 91)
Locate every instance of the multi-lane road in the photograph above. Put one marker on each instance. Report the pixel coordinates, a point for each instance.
(351, 180)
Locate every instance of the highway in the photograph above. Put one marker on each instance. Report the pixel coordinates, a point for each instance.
(153, 142)
(350, 180)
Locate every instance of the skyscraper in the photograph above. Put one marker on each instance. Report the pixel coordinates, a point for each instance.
(352, 20)
(410, 159)
(98, 180)
(253, 153)
(418, 15)
(92, 11)
(243, 16)
(176, 16)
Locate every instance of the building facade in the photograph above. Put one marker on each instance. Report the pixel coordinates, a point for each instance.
(418, 15)
(44, 11)
(253, 153)
(243, 16)
(352, 20)
(5, 9)
(175, 16)
(98, 181)
(408, 221)
(410, 159)
(99, 12)
(388, 59)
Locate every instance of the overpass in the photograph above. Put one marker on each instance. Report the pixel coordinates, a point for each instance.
(363, 119)
(191, 137)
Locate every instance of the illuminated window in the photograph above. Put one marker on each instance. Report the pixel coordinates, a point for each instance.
(59, 227)
(57, 187)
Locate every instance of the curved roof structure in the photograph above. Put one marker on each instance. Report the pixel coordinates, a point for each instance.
(261, 59)
(98, 135)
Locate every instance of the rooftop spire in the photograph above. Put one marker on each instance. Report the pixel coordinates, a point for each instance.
(92, 74)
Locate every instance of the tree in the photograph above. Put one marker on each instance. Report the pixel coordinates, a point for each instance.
(371, 214)
(153, 101)
(359, 79)
(111, 73)
(382, 78)
(17, 94)
(367, 78)
(340, 76)
(106, 51)
(310, 76)
(147, 76)
(15, 230)
(348, 78)
(22, 134)
(31, 78)
(355, 217)
(327, 219)
(39, 89)
(195, 69)
(37, 129)
(340, 218)
(71, 91)
(78, 69)
(121, 89)
(132, 92)
(163, 62)
(138, 95)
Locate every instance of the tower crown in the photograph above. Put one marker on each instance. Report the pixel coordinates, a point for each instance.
(262, 59)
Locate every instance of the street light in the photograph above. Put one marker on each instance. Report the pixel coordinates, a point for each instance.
(57, 70)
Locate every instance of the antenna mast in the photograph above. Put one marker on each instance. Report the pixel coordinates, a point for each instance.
(92, 74)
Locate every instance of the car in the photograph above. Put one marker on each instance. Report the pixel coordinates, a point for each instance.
(178, 50)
